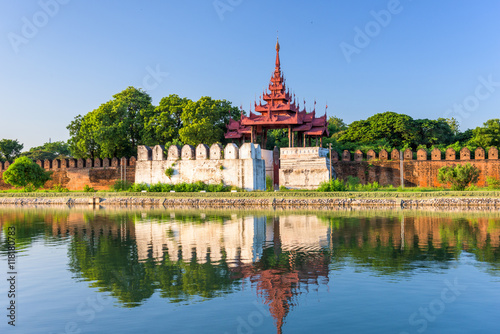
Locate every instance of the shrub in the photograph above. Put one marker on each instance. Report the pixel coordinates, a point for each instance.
(180, 187)
(169, 172)
(138, 187)
(459, 176)
(156, 188)
(26, 174)
(352, 183)
(60, 188)
(333, 185)
(493, 183)
(121, 185)
(369, 186)
(89, 189)
(269, 183)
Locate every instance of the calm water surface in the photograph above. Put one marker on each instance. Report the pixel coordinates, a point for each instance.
(207, 271)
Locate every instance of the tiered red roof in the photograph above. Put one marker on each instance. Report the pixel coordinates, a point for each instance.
(278, 111)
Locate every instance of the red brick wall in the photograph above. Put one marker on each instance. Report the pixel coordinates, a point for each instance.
(99, 178)
(422, 173)
(416, 173)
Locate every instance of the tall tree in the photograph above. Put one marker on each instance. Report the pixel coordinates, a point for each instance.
(398, 129)
(10, 149)
(433, 132)
(486, 135)
(336, 124)
(162, 124)
(49, 151)
(113, 129)
(205, 120)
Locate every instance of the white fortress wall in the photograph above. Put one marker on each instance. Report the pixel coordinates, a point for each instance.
(241, 167)
(304, 167)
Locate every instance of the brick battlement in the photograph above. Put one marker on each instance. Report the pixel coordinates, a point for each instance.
(78, 163)
(422, 155)
(75, 174)
(420, 168)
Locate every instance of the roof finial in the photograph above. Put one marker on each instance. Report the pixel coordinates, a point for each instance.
(277, 42)
(277, 54)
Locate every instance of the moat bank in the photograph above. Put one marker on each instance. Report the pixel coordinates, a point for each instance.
(288, 200)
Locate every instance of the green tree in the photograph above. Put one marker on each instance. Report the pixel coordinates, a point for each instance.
(25, 173)
(82, 142)
(10, 149)
(112, 130)
(205, 120)
(49, 151)
(433, 132)
(277, 137)
(487, 135)
(336, 124)
(398, 129)
(454, 125)
(162, 124)
(459, 176)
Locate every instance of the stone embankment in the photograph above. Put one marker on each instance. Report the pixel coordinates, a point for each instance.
(441, 202)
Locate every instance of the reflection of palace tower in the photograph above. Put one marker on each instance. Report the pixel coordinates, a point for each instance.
(294, 242)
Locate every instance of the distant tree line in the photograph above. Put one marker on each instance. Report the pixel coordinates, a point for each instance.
(390, 130)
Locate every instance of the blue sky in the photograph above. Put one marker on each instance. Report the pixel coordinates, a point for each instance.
(424, 58)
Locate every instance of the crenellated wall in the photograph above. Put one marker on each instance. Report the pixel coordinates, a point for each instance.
(304, 167)
(420, 168)
(241, 167)
(74, 174)
(301, 168)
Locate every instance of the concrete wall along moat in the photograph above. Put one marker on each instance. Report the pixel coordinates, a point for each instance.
(241, 167)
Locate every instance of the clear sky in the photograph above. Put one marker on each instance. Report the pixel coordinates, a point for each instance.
(424, 58)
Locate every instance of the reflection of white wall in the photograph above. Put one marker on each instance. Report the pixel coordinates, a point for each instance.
(243, 239)
(303, 233)
(238, 237)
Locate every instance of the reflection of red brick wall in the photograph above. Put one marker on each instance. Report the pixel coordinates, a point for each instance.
(421, 173)
(427, 230)
(99, 178)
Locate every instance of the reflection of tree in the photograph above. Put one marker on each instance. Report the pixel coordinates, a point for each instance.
(112, 264)
(180, 280)
(30, 226)
(387, 246)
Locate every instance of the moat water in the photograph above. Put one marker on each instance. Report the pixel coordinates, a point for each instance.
(75, 270)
